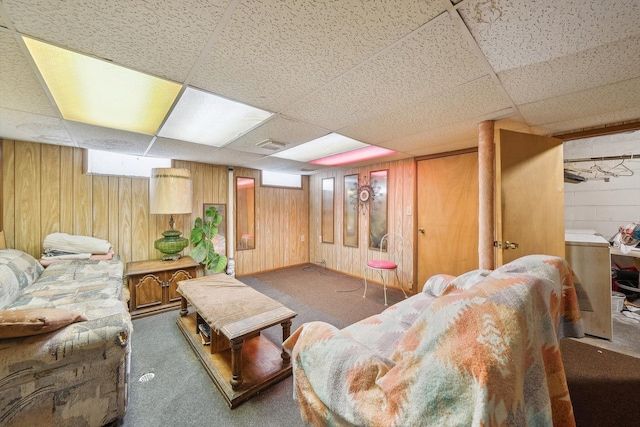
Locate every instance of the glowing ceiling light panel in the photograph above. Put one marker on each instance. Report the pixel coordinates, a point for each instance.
(367, 153)
(204, 118)
(97, 92)
(324, 146)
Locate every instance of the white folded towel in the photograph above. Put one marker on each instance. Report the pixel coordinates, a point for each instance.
(76, 244)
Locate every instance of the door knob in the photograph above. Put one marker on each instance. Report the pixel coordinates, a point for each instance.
(510, 245)
(507, 245)
(421, 230)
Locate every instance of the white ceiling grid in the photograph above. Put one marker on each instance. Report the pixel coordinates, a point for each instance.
(413, 76)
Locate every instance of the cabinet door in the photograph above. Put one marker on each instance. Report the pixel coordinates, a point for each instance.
(173, 277)
(148, 291)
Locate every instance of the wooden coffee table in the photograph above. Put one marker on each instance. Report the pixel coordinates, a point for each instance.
(239, 359)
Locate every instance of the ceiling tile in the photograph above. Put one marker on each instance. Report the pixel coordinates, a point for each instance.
(516, 33)
(182, 150)
(161, 37)
(279, 128)
(276, 164)
(433, 59)
(588, 122)
(225, 156)
(592, 102)
(426, 142)
(587, 69)
(19, 86)
(259, 58)
(477, 98)
(106, 139)
(457, 136)
(21, 126)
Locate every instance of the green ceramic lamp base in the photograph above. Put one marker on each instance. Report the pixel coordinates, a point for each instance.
(171, 245)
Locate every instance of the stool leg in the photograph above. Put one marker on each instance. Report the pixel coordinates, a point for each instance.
(384, 286)
(401, 286)
(365, 283)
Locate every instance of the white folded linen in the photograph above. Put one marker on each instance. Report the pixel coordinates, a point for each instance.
(76, 244)
(80, 255)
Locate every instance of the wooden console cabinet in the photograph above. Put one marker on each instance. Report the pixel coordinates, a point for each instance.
(153, 284)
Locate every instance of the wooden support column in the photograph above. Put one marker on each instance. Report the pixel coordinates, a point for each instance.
(486, 180)
(231, 225)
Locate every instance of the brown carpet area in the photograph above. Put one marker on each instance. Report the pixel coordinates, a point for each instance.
(333, 293)
(604, 385)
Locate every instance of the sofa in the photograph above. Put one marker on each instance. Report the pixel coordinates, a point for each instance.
(65, 334)
(480, 349)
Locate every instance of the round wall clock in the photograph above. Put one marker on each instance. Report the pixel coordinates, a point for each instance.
(364, 194)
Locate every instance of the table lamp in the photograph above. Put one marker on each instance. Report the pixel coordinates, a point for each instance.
(169, 194)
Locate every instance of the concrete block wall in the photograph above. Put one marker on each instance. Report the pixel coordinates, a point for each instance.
(597, 204)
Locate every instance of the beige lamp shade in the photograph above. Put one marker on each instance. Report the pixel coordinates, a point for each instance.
(170, 191)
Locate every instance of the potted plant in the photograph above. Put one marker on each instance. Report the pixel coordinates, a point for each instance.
(202, 237)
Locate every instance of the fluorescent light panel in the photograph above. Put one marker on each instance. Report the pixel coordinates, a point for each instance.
(324, 146)
(203, 118)
(366, 153)
(93, 91)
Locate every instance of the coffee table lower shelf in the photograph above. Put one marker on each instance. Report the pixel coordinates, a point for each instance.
(261, 363)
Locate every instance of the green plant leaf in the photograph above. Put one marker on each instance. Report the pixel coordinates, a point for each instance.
(219, 264)
(210, 230)
(210, 212)
(217, 219)
(198, 253)
(196, 234)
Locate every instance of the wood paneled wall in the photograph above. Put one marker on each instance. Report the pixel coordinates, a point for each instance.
(282, 227)
(401, 219)
(44, 190)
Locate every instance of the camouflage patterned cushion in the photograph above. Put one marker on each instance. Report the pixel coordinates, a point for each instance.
(17, 271)
(93, 288)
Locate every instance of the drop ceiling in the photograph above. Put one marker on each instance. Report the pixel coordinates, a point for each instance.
(413, 76)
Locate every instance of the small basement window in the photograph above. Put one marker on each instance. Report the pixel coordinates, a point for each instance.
(280, 179)
(109, 163)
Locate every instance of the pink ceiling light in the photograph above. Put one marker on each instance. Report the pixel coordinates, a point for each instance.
(366, 153)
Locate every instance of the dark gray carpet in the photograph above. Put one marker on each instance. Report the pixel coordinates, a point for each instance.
(603, 384)
(182, 393)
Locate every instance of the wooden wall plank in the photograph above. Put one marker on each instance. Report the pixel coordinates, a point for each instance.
(27, 198)
(208, 195)
(113, 212)
(82, 197)
(66, 190)
(50, 194)
(100, 208)
(9, 192)
(140, 218)
(124, 219)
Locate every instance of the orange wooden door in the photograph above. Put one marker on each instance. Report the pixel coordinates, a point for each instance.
(447, 215)
(529, 196)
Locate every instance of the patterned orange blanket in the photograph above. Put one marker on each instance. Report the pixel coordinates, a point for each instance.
(484, 352)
